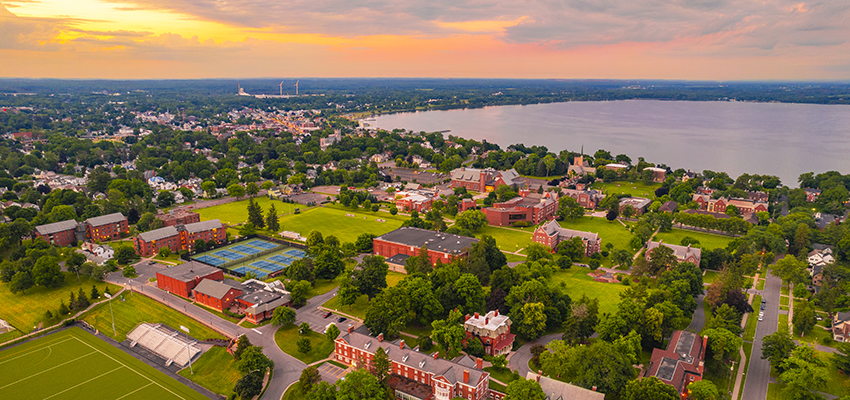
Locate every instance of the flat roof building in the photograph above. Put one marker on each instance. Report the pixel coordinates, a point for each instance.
(409, 240)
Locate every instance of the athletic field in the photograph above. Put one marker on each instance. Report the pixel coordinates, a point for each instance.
(255, 255)
(72, 364)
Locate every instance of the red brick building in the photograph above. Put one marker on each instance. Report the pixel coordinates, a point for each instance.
(682, 363)
(530, 209)
(408, 240)
(492, 330)
(206, 231)
(58, 233)
(485, 180)
(181, 279)
(745, 206)
(551, 233)
(178, 217)
(682, 253)
(638, 204)
(413, 201)
(259, 299)
(216, 295)
(106, 227)
(415, 375)
(179, 237)
(588, 198)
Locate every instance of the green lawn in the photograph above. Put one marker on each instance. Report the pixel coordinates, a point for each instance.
(137, 308)
(783, 290)
(710, 276)
(497, 387)
(774, 392)
(515, 258)
(748, 351)
(504, 375)
(358, 309)
(287, 336)
(293, 393)
(507, 239)
(609, 231)
(636, 189)
(783, 322)
(760, 285)
(237, 211)
(25, 310)
(783, 300)
(707, 241)
(333, 221)
(752, 320)
(214, 370)
(817, 335)
(576, 282)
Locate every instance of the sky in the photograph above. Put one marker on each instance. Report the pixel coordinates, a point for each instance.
(564, 39)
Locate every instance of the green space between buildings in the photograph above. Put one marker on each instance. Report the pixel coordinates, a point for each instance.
(710, 276)
(508, 239)
(358, 309)
(707, 241)
(333, 221)
(575, 282)
(287, 337)
(237, 212)
(214, 370)
(610, 231)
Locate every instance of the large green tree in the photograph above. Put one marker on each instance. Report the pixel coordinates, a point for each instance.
(524, 389)
(777, 347)
(650, 388)
(360, 385)
(388, 312)
(569, 208)
(449, 332)
(371, 277)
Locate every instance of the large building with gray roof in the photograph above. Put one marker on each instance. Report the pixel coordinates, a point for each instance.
(408, 240)
(179, 237)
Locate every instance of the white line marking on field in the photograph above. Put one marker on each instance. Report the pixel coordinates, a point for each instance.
(34, 351)
(49, 369)
(257, 331)
(83, 383)
(134, 391)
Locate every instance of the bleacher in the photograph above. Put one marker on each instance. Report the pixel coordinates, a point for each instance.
(165, 342)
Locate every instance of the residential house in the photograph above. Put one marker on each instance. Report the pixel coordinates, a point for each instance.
(812, 194)
(492, 330)
(818, 259)
(682, 253)
(841, 327)
(745, 206)
(682, 363)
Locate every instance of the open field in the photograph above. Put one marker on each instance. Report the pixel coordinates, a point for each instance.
(610, 231)
(25, 310)
(137, 308)
(507, 239)
(237, 211)
(287, 337)
(576, 282)
(331, 221)
(636, 189)
(358, 309)
(74, 364)
(707, 241)
(214, 370)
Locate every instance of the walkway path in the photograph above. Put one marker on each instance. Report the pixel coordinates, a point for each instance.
(698, 322)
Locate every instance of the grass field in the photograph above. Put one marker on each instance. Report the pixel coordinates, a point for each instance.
(358, 309)
(25, 310)
(138, 308)
(237, 211)
(610, 231)
(636, 189)
(837, 383)
(507, 239)
(74, 364)
(710, 276)
(707, 241)
(287, 336)
(214, 370)
(576, 282)
(332, 221)
(752, 320)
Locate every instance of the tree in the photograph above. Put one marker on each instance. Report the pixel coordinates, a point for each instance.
(236, 190)
(283, 315)
(255, 214)
(298, 293)
(252, 358)
(360, 385)
(470, 293)
(524, 389)
(332, 332)
(777, 347)
(449, 332)
(125, 255)
(721, 342)
(165, 199)
(703, 390)
(389, 311)
(569, 208)
(791, 270)
(21, 281)
(583, 318)
(649, 388)
(572, 249)
(252, 189)
(424, 305)
(661, 258)
(804, 317)
(841, 359)
(164, 252)
(622, 258)
(94, 293)
(498, 361)
(381, 362)
(47, 273)
(364, 242)
(301, 270)
(272, 221)
(309, 377)
(347, 293)
(471, 220)
(804, 374)
(533, 320)
(209, 188)
(304, 345)
(371, 278)
(304, 328)
(249, 385)
(322, 391)
(328, 262)
(314, 239)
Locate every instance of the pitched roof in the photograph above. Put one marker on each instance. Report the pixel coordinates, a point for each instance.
(681, 252)
(684, 356)
(213, 288)
(466, 174)
(557, 390)
(203, 226)
(107, 219)
(158, 234)
(56, 227)
(552, 228)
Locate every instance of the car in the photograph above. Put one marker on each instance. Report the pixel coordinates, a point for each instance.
(151, 262)
(761, 313)
(762, 307)
(818, 317)
(328, 314)
(341, 319)
(761, 317)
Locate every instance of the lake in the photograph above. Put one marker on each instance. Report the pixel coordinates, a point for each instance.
(736, 137)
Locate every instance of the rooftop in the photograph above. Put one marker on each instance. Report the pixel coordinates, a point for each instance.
(435, 241)
(490, 321)
(213, 288)
(113, 218)
(203, 226)
(56, 227)
(158, 234)
(188, 271)
(557, 390)
(681, 252)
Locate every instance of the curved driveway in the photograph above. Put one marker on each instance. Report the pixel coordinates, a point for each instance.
(519, 360)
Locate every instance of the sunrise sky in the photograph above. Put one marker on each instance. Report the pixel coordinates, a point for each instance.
(571, 39)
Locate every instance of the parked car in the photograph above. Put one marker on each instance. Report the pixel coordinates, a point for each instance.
(818, 317)
(761, 317)
(328, 314)
(340, 319)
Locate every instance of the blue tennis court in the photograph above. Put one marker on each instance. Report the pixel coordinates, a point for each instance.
(261, 244)
(245, 249)
(282, 259)
(244, 270)
(296, 253)
(210, 260)
(268, 266)
(228, 255)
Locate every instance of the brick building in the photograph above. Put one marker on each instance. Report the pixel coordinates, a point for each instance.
(551, 233)
(557, 390)
(215, 294)
(682, 253)
(106, 227)
(181, 279)
(745, 206)
(682, 363)
(588, 198)
(178, 217)
(259, 299)
(206, 231)
(485, 180)
(415, 375)
(639, 204)
(414, 201)
(58, 233)
(179, 237)
(531, 209)
(658, 174)
(408, 240)
(492, 329)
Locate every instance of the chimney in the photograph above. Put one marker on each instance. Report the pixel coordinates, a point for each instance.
(496, 312)
(380, 337)
(436, 354)
(466, 318)
(689, 247)
(476, 315)
(350, 328)
(401, 344)
(537, 377)
(466, 376)
(593, 388)
(486, 321)
(479, 363)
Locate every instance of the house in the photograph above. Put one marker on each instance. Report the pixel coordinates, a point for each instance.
(484, 180)
(818, 259)
(669, 207)
(492, 329)
(259, 299)
(103, 251)
(414, 375)
(841, 327)
(418, 201)
(812, 194)
(638, 204)
(61, 233)
(682, 363)
(588, 198)
(106, 227)
(658, 174)
(551, 233)
(179, 237)
(178, 217)
(181, 279)
(682, 253)
(532, 209)
(409, 240)
(557, 390)
(758, 196)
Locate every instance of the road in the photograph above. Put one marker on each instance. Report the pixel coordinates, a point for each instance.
(287, 369)
(758, 374)
(519, 360)
(699, 316)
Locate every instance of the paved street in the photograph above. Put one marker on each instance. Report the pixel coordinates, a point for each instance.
(758, 374)
(699, 316)
(519, 360)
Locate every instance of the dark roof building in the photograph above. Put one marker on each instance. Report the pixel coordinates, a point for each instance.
(682, 363)
(682, 253)
(557, 390)
(408, 240)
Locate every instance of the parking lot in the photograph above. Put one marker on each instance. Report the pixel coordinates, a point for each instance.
(330, 373)
(421, 177)
(317, 321)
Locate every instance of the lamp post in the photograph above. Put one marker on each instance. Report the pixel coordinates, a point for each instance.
(111, 313)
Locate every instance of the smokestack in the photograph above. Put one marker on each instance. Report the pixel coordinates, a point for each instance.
(436, 354)
(401, 344)
(380, 337)
(594, 388)
(479, 363)
(466, 376)
(350, 328)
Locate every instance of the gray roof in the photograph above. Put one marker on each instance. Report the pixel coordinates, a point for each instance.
(113, 218)
(158, 234)
(280, 301)
(511, 177)
(551, 228)
(466, 174)
(636, 202)
(436, 241)
(398, 259)
(203, 226)
(188, 271)
(212, 288)
(56, 227)
(681, 252)
(557, 390)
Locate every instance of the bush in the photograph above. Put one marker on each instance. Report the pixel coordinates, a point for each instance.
(827, 341)
(604, 253)
(521, 224)
(425, 343)
(129, 271)
(304, 345)
(626, 281)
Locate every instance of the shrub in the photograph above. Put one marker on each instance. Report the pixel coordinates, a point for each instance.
(626, 281)
(129, 271)
(827, 341)
(521, 224)
(425, 343)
